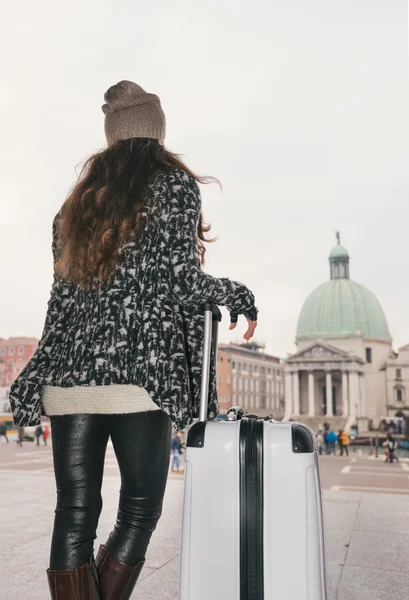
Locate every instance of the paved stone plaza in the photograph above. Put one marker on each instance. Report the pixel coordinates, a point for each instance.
(367, 532)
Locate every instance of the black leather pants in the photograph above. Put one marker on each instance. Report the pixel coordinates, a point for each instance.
(142, 446)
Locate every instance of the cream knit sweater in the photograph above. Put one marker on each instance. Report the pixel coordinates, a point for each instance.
(96, 399)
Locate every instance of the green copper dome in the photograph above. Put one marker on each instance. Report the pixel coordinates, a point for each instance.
(342, 308)
(338, 252)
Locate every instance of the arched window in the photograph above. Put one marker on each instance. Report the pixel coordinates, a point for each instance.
(400, 394)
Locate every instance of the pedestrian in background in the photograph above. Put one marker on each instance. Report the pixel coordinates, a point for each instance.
(46, 434)
(390, 448)
(320, 442)
(325, 433)
(3, 431)
(176, 445)
(20, 435)
(182, 442)
(343, 441)
(38, 433)
(331, 439)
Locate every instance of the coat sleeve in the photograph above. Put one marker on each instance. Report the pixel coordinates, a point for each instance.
(53, 307)
(181, 272)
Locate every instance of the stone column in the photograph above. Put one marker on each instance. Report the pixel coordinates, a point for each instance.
(311, 394)
(362, 411)
(353, 393)
(275, 392)
(345, 404)
(330, 412)
(289, 408)
(296, 393)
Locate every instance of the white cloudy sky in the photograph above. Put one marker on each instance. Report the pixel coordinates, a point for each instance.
(299, 108)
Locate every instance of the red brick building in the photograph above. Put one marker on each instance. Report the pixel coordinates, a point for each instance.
(250, 378)
(15, 353)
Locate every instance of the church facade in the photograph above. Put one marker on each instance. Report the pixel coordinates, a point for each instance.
(344, 365)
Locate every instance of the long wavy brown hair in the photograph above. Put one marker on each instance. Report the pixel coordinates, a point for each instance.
(107, 207)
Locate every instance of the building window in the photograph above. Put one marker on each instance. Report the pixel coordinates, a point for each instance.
(399, 394)
(268, 371)
(21, 349)
(255, 368)
(221, 359)
(2, 351)
(11, 350)
(233, 365)
(368, 352)
(398, 373)
(262, 370)
(244, 367)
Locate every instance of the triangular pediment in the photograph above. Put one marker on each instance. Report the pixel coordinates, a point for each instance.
(319, 351)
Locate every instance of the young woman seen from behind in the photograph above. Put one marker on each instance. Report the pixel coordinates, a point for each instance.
(120, 353)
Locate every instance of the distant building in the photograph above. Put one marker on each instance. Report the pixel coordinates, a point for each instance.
(397, 383)
(15, 352)
(344, 348)
(250, 378)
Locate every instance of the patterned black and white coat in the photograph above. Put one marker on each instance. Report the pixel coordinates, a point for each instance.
(146, 326)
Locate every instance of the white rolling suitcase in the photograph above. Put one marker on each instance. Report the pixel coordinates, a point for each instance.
(252, 517)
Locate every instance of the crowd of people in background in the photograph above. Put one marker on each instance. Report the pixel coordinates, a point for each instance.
(41, 431)
(392, 425)
(328, 440)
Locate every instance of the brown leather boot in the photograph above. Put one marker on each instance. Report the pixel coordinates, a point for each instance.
(75, 584)
(117, 579)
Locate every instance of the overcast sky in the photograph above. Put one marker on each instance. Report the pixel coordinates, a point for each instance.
(299, 108)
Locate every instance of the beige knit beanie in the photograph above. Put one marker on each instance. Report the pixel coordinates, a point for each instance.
(130, 112)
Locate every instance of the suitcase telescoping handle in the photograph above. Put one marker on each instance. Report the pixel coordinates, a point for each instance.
(212, 317)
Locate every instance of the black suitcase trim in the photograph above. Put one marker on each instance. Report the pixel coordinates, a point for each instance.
(251, 510)
(196, 435)
(302, 439)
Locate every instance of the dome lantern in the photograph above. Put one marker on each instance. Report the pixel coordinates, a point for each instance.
(339, 260)
(341, 308)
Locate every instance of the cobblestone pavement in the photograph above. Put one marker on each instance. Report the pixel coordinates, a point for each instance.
(366, 516)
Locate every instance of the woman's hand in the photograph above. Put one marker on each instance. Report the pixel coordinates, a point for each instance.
(250, 331)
